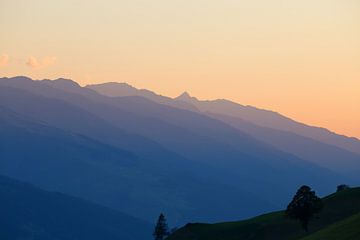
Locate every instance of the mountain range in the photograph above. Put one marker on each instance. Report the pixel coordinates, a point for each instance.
(140, 153)
(259, 117)
(323, 147)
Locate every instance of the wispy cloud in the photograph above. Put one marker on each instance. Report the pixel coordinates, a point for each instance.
(4, 60)
(35, 63)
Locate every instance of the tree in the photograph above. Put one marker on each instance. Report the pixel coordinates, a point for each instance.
(304, 205)
(161, 228)
(342, 187)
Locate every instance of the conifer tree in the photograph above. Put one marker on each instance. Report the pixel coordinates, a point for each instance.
(161, 228)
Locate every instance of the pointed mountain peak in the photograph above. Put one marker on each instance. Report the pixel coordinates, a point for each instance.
(186, 97)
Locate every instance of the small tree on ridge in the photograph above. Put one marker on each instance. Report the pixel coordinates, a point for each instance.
(161, 228)
(304, 205)
(342, 187)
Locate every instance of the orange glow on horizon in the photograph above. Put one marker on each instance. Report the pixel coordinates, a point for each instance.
(299, 58)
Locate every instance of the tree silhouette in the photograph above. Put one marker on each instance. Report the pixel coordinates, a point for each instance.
(161, 228)
(304, 205)
(342, 187)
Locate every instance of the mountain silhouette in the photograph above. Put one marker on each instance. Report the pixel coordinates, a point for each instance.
(143, 157)
(274, 120)
(260, 117)
(114, 89)
(185, 97)
(28, 212)
(58, 154)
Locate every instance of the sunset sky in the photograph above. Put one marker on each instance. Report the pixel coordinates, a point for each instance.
(300, 58)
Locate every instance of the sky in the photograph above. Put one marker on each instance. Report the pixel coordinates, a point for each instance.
(299, 58)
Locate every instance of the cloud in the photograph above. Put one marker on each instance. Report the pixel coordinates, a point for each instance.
(4, 60)
(35, 63)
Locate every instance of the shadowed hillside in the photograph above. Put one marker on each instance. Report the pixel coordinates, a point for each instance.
(345, 229)
(30, 213)
(275, 226)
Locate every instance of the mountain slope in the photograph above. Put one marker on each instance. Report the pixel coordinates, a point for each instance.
(194, 136)
(337, 207)
(343, 230)
(71, 162)
(328, 156)
(273, 120)
(30, 213)
(114, 89)
(184, 156)
(251, 114)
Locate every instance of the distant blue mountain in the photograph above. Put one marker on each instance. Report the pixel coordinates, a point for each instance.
(156, 180)
(30, 213)
(273, 120)
(316, 145)
(329, 156)
(256, 116)
(113, 89)
(141, 157)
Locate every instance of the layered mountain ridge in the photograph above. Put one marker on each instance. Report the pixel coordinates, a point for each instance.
(261, 117)
(142, 153)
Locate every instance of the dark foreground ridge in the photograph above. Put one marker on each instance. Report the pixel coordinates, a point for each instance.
(30, 213)
(340, 219)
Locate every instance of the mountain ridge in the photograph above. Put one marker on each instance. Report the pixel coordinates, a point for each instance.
(183, 155)
(265, 118)
(28, 212)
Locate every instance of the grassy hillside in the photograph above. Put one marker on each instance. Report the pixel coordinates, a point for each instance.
(347, 229)
(338, 206)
